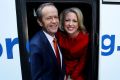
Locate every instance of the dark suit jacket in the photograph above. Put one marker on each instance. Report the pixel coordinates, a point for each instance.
(43, 61)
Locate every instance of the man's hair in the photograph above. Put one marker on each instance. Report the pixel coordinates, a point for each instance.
(40, 8)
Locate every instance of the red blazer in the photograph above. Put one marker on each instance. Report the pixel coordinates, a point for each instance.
(74, 51)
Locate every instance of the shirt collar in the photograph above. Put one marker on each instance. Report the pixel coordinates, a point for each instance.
(49, 37)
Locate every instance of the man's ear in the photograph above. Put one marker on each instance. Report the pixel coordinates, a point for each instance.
(39, 22)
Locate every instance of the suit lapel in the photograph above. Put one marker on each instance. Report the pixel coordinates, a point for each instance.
(48, 47)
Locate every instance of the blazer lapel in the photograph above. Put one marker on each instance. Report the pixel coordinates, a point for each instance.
(48, 47)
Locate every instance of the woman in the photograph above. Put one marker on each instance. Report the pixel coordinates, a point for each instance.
(73, 40)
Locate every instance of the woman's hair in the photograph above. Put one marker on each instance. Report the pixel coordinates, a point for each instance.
(79, 15)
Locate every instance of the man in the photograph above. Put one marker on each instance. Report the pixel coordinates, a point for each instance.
(44, 62)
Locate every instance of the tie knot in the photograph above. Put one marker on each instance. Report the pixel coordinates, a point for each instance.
(55, 40)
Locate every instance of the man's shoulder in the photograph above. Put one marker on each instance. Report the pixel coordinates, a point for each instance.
(37, 37)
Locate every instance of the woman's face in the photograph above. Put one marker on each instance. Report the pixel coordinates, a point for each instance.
(71, 24)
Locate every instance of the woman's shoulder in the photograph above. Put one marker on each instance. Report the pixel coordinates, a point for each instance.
(83, 35)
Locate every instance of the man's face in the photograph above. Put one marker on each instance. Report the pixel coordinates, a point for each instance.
(50, 20)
